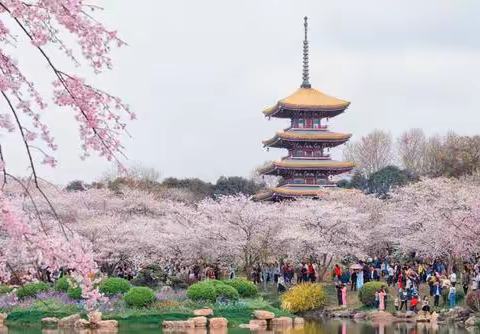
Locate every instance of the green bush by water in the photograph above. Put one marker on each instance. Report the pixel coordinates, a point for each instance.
(32, 289)
(4, 289)
(74, 293)
(245, 288)
(62, 284)
(140, 297)
(210, 290)
(227, 291)
(115, 285)
(202, 291)
(366, 294)
(152, 276)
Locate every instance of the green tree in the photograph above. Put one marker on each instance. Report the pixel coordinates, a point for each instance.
(381, 182)
(76, 185)
(234, 185)
(199, 188)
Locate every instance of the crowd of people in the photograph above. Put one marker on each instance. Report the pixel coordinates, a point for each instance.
(405, 280)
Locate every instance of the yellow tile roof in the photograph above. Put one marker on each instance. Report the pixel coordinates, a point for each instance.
(288, 192)
(309, 98)
(313, 136)
(307, 164)
(313, 164)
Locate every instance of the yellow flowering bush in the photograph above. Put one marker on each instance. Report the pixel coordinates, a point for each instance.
(304, 297)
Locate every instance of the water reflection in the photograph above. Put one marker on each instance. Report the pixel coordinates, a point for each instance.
(327, 327)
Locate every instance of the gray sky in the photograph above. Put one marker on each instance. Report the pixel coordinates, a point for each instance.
(199, 73)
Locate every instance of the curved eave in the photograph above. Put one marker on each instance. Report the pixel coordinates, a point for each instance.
(286, 111)
(275, 193)
(301, 165)
(307, 99)
(334, 138)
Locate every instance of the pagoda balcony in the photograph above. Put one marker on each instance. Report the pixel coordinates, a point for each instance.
(323, 157)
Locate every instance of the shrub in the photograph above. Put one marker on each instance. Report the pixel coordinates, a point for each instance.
(473, 300)
(113, 286)
(245, 288)
(31, 289)
(4, 289)
(226, 291)
(177, 283)
(202, 291)
(304, 297)
(140, 297)
(151, 276)
(74, 293)
(366, 294)
(62, 284)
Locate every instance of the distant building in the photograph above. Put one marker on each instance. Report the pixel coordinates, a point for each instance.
(308, 167)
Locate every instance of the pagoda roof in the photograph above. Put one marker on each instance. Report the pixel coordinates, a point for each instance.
(285, 192)
(318, 136)
(308, 99)
(314, 164)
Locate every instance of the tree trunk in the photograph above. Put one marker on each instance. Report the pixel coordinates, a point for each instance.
(325, 266)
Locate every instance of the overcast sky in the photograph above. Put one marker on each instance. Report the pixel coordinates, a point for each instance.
(199, 73)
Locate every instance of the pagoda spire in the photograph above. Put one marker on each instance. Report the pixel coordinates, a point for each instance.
(306, 76)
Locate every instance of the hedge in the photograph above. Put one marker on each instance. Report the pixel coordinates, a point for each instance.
(32, 289)
(366, 294)
(140, 297)
(114, 285)
(74, 293)
(245, 288)
(62, 284)
(202, 291)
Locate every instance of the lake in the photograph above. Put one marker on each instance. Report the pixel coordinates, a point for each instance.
(327, 327)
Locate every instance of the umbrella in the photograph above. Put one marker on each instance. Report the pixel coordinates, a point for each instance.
(356, 266)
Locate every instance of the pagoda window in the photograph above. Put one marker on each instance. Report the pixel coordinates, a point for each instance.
(310, 180)
(298, 153)
(317, 153)
(301, 123)
(309, 123)
(308, 153)
(316, 123)
(321, 181)
(298, 181)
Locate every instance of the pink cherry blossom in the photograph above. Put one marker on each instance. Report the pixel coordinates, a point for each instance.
(40, 237)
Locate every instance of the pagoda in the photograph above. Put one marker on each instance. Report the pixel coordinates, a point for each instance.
(308, 168)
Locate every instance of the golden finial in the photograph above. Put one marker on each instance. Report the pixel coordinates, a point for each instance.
(306, 76)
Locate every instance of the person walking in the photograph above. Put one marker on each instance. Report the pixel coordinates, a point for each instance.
(354, 281)
(466, 280)
(451, 296)
(390, 275)
(344, 295)
(381, 300)
(437, 291)
(453, 278)
(359, 279)
(339, 288)
(403, 299)
(311, 273)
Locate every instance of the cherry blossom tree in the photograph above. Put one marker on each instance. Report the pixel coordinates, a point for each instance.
(435, 217)
(324, 230)
(233, 229)
(41, 29)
